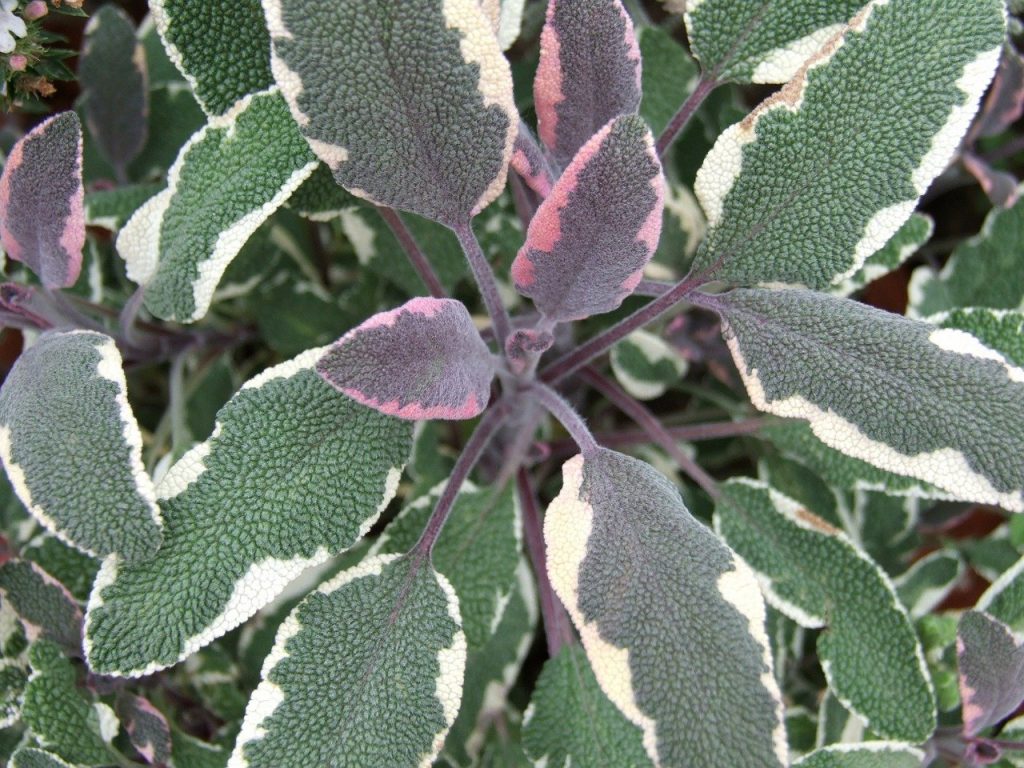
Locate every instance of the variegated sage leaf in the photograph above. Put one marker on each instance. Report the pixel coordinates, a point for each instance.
(1004, 599)
(879, 387)
(44, 606)
(589, 73)
(42, 222)
(409, 103)
(220, 46)
(113, 76)
(814, 574)
(929, 581)
(228, 179)
(112, 208)
(147, 728)
(368, 670)
(1001, 330)
(833, 133)
(762, 41)
(506, 17)
(867, 754)
(571, 721)
(30, 757)
(646, 365)
(72, 448)
(588, 244)
(294, 473)
(669, 76)
(991, 662)
(664, 610)
(424, 360)
(904, 244)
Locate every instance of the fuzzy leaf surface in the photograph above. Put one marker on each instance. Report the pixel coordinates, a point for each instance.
(589, 73)
(635, 570)
(588, 244)
(887, 102)
(72, 448)
(814, 574)
(409, 103)
(646, 365)
(147, 728)
(1001, 330)
(228, 179)
(37, 758)
(935, 404)
(424, 360)
(294, 473)
(904, 244)
(991, 663)
(44, 605)
(368, 670)
(42, 222)
(869, 754)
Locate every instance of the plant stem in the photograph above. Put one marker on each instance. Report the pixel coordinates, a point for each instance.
(488, 427)
(565, 414)
(485, 281)
(690, 433)
(129, 314)
(648, 422)
(178, 397)
(556, 624)
(412, 249)
(652, 288)
(679, 121)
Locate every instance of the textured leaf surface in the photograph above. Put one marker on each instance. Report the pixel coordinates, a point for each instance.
(13, 679)
(666, 67)
(888, 101)
(660, 603)
(589, 241)
(228, 179)
(506, 17)
(410, 103)
(111, 208)
(424, 360)
(869, 754)
(320, 198)
(294, 473)
(1001, 330)
(1004, 600)
(571, 721)
(904, 244)
(44, 605)
(815, 575)
(37, 758)
(985, 271)
(589, 73)
(113, 75)
(762, 42)
(991, 662)
(928, 581)
(41, 199)
(72, 448)
(221, 46)
(646, 365)
(881, 388)
(368, 670)
(147, 728)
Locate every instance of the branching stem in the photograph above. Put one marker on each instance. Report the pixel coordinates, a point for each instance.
(566, 414)
(681, 119)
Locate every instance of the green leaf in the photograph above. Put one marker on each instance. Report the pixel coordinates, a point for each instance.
(13, 679)
(44, 605)
(867, 127)
(220, 46)
(72, 448)
(634, 568)
(189, 752)
(36, 758)
(869, 754)
(997, 329)
(368, 670)
(572, 722)
(929, 581)
(111, 208)
(815, 575)
(668, 76)
(646, 365)
(70, 567)
(985, 271)
(321, 198)
(228, 179)
(761, 42)
(1004, 599)
(293, 474)
(410, 104)
(879, 387)
(904, 244)
(147, 728)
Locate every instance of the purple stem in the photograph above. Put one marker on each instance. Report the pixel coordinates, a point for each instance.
(412, 249)
(567, 415)
(652, 288)
(556, 623)
(485, 281)
(679, 121)
(648, 422)
(690, 433)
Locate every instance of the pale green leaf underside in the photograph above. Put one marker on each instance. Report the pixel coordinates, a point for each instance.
(228, 179)
(294, 473)
(368, 670)
(815, 575)
(871, 754)
(823, 174)
(881, 388)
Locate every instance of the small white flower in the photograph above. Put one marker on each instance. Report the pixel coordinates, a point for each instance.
(11, 26)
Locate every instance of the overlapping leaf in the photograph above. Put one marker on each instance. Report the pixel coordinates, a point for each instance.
(589, 241)
(37, 758)
(41, 196)
(815, 575)
(147, 728)
(635, 571)
(589, 73)
(294, 473)
(887, 102)
(868, 754)
(904, 244)
(506, 17)
(410, 103)
(646, 365)
(424, 360)
(879, 387)
(228, 179)
(368, 670)
(1004, 600)
(44, 606)
(1001, 330)
(929, 581)
(72, 448)
(991, 662)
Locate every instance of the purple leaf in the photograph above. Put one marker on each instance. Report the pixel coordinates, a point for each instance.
(991, 671)
(424, 360)
(589, 72)
(1005, 100)
(1000, 186)
(42, 221)
(528, 161)
(588, 243)
(147, 728)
